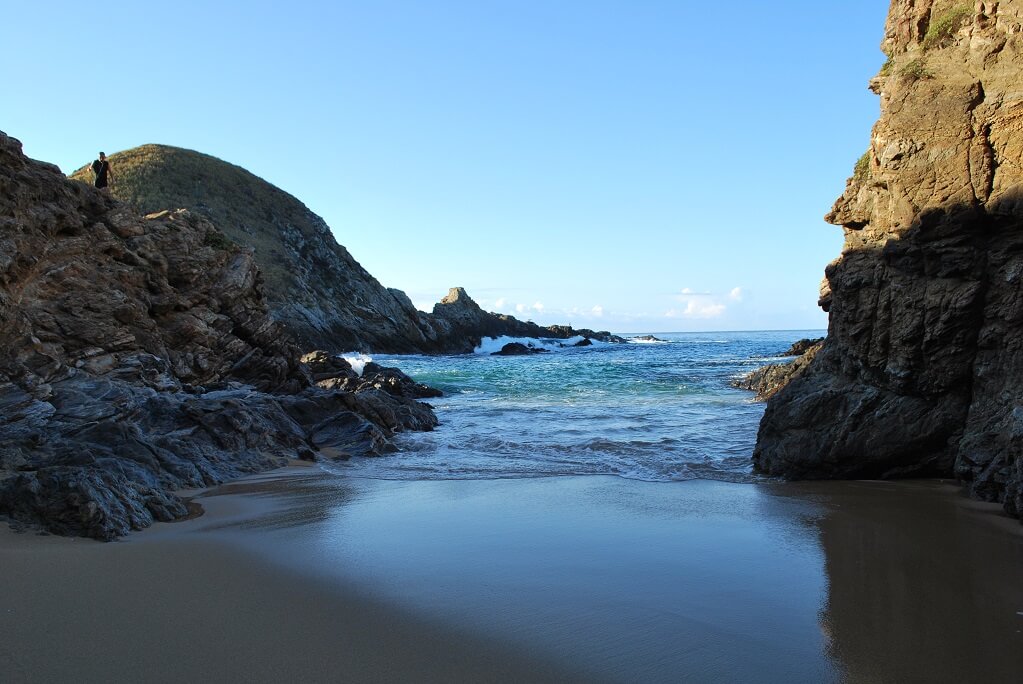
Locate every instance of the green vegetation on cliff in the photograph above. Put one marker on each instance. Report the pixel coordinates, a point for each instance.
(861, 171)
(944, 26)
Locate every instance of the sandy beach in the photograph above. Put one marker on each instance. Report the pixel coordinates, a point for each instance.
(304, 575)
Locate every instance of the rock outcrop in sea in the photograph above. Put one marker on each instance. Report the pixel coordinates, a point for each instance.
(768, 380)
(313, 286)
(138, 358)
(461, 323)
(919, 375)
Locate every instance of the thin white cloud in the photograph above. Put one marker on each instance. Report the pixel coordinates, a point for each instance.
(597, 311)
(695, 309)
(735, 294)
(538, 307)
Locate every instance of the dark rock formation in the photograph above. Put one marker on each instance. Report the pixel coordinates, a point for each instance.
(646, 338)
(461, 324)
(137, 357)
(768, 380)
(800, 347)
(919, 373)
(517, 349)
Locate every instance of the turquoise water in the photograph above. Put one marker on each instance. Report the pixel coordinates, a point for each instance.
(655, 412)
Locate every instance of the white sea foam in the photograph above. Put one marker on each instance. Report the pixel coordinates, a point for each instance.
(636, 340)
(357, 361)
(489, 345)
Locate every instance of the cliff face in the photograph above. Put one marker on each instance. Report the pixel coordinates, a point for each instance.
(919, 374)
(137, 357)
(312, 284)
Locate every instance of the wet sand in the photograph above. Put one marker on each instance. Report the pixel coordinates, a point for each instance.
(304, 575)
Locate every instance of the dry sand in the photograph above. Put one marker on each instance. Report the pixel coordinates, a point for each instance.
(304, 576)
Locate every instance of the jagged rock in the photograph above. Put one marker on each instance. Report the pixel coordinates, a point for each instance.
(768, 380)
(465, 324)
(920, 372)
(517, 349)
(800, 347)
(137, 358)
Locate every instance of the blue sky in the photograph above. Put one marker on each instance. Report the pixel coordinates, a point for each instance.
(627, 165)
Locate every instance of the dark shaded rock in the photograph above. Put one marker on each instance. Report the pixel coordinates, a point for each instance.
(462, 324)
(919, 375)
(800, 347)
(768, 380)
(647, 338)
(585, 342)
(138, 358)
(517, 349)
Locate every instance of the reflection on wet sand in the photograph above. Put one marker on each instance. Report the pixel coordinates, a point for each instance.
(923, 586)
(847, 581)
(286, 502)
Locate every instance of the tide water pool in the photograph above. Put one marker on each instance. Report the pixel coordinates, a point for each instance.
(660, 411)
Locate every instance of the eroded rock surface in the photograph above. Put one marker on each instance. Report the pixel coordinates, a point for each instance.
(919, 373)
(137, 357)
(768, 380)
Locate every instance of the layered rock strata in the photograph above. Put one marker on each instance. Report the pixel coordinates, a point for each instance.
(137, 358)
(919, 373)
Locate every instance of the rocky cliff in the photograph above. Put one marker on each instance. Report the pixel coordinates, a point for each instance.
(313, 286)
(138, 357)
(920, 372)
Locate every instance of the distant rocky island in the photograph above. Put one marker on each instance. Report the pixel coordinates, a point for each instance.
(919, 375)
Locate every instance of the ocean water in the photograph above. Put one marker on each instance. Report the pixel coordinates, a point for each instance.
(658, 412)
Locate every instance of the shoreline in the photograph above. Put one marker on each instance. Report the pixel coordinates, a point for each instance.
(300, 572)
(174, 602)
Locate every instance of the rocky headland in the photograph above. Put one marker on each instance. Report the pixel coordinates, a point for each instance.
(312, 285)
(919, 373)
(138, 358)
(768, 380)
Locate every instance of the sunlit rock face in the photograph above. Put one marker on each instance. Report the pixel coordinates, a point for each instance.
(919, 374)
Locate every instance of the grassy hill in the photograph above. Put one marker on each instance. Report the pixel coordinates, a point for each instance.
(312, 283)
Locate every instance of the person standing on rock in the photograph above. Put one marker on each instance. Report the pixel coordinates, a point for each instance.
(101, 170)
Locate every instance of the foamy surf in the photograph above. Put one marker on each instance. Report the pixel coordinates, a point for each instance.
(657, 412)
(356, 360)
(492, 345)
